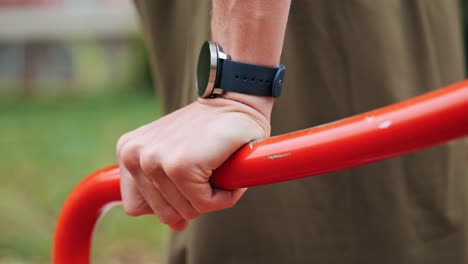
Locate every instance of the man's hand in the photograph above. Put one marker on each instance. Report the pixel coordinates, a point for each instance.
(166, 165)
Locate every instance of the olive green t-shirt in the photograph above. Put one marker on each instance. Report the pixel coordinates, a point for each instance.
(343, 57)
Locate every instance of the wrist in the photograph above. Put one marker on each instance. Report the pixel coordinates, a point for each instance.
(261, 104)
(217, 74)
(252, 32)
(256, 107)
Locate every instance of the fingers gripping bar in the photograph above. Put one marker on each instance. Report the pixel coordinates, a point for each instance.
(394, 130)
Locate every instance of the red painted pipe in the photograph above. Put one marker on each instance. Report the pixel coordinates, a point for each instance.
(414, 124)
(82, 209)
(420, 122)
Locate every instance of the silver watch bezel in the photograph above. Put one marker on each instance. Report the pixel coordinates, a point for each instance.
(216, 54)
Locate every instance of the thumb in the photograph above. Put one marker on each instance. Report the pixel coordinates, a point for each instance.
(227, 199)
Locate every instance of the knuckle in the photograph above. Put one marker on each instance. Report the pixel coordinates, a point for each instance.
(174, 166)
(178, 166)
(121, 143)
(149, 162)
(129, 156)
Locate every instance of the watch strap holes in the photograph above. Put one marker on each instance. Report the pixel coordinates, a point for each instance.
(254, 78)
(251, 79)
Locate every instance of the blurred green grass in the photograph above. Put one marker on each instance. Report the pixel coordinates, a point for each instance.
(46, 147)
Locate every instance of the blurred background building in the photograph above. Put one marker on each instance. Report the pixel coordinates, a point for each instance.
(60, 46)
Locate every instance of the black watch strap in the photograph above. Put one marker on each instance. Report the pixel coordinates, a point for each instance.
(251, 79)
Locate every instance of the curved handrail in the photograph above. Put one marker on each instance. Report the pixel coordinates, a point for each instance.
(414, 124)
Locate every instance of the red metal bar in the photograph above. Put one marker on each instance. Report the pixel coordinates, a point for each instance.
(80, 213)
(414, 124)
(417, 123)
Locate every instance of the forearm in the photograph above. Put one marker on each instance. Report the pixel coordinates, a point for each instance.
(251, 31)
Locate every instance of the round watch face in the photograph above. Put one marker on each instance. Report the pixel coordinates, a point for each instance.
(206, 69)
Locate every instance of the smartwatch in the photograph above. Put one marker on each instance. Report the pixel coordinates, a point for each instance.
(216, 73)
